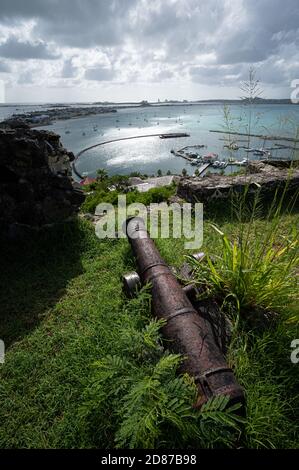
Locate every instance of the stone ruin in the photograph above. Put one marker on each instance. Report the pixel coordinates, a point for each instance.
(263, 177)
(36, 186)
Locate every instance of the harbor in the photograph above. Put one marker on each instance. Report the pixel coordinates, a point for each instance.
(202, 162)
(153, 154)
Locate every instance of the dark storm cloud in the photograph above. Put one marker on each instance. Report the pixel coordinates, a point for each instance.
(13, 48)
(268, 24)
(78, 23)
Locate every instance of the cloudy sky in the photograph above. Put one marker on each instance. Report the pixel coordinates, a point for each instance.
(121, 50)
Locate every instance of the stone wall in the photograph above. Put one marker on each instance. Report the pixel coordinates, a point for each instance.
(36, 187)
(260, 176)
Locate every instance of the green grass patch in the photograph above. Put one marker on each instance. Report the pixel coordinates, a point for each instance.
(86, 368)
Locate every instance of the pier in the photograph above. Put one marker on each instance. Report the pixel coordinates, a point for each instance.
(258, 136)
(203, 168)
(179, 153)
(174, 135)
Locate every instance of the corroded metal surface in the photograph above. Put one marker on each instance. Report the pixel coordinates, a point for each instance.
(188, 332)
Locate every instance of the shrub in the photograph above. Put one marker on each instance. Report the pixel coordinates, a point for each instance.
(154, 195)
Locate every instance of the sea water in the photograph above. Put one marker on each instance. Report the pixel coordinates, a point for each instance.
(148, 155)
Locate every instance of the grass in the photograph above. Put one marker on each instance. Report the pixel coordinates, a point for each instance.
(84, 366)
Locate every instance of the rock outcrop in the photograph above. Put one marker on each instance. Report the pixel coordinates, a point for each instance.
(262, 177)
(36, 187)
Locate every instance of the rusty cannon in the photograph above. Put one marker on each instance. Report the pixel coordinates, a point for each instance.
(188, 331)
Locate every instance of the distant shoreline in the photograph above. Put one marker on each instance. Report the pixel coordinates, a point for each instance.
(51, 113)
(133, 104)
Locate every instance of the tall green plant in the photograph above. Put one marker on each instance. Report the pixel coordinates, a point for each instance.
(257, 266)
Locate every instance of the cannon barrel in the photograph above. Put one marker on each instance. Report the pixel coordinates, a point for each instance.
(189, 332)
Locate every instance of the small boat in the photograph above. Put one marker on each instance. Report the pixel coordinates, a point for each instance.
(218, 164)
(262, 153)
(191, 155)
(232, 146)
(242, 162)
(259, 153)
(67, 132)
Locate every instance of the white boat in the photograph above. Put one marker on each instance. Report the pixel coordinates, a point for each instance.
(218, 164)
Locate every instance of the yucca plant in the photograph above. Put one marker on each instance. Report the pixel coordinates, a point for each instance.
(257, 266)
